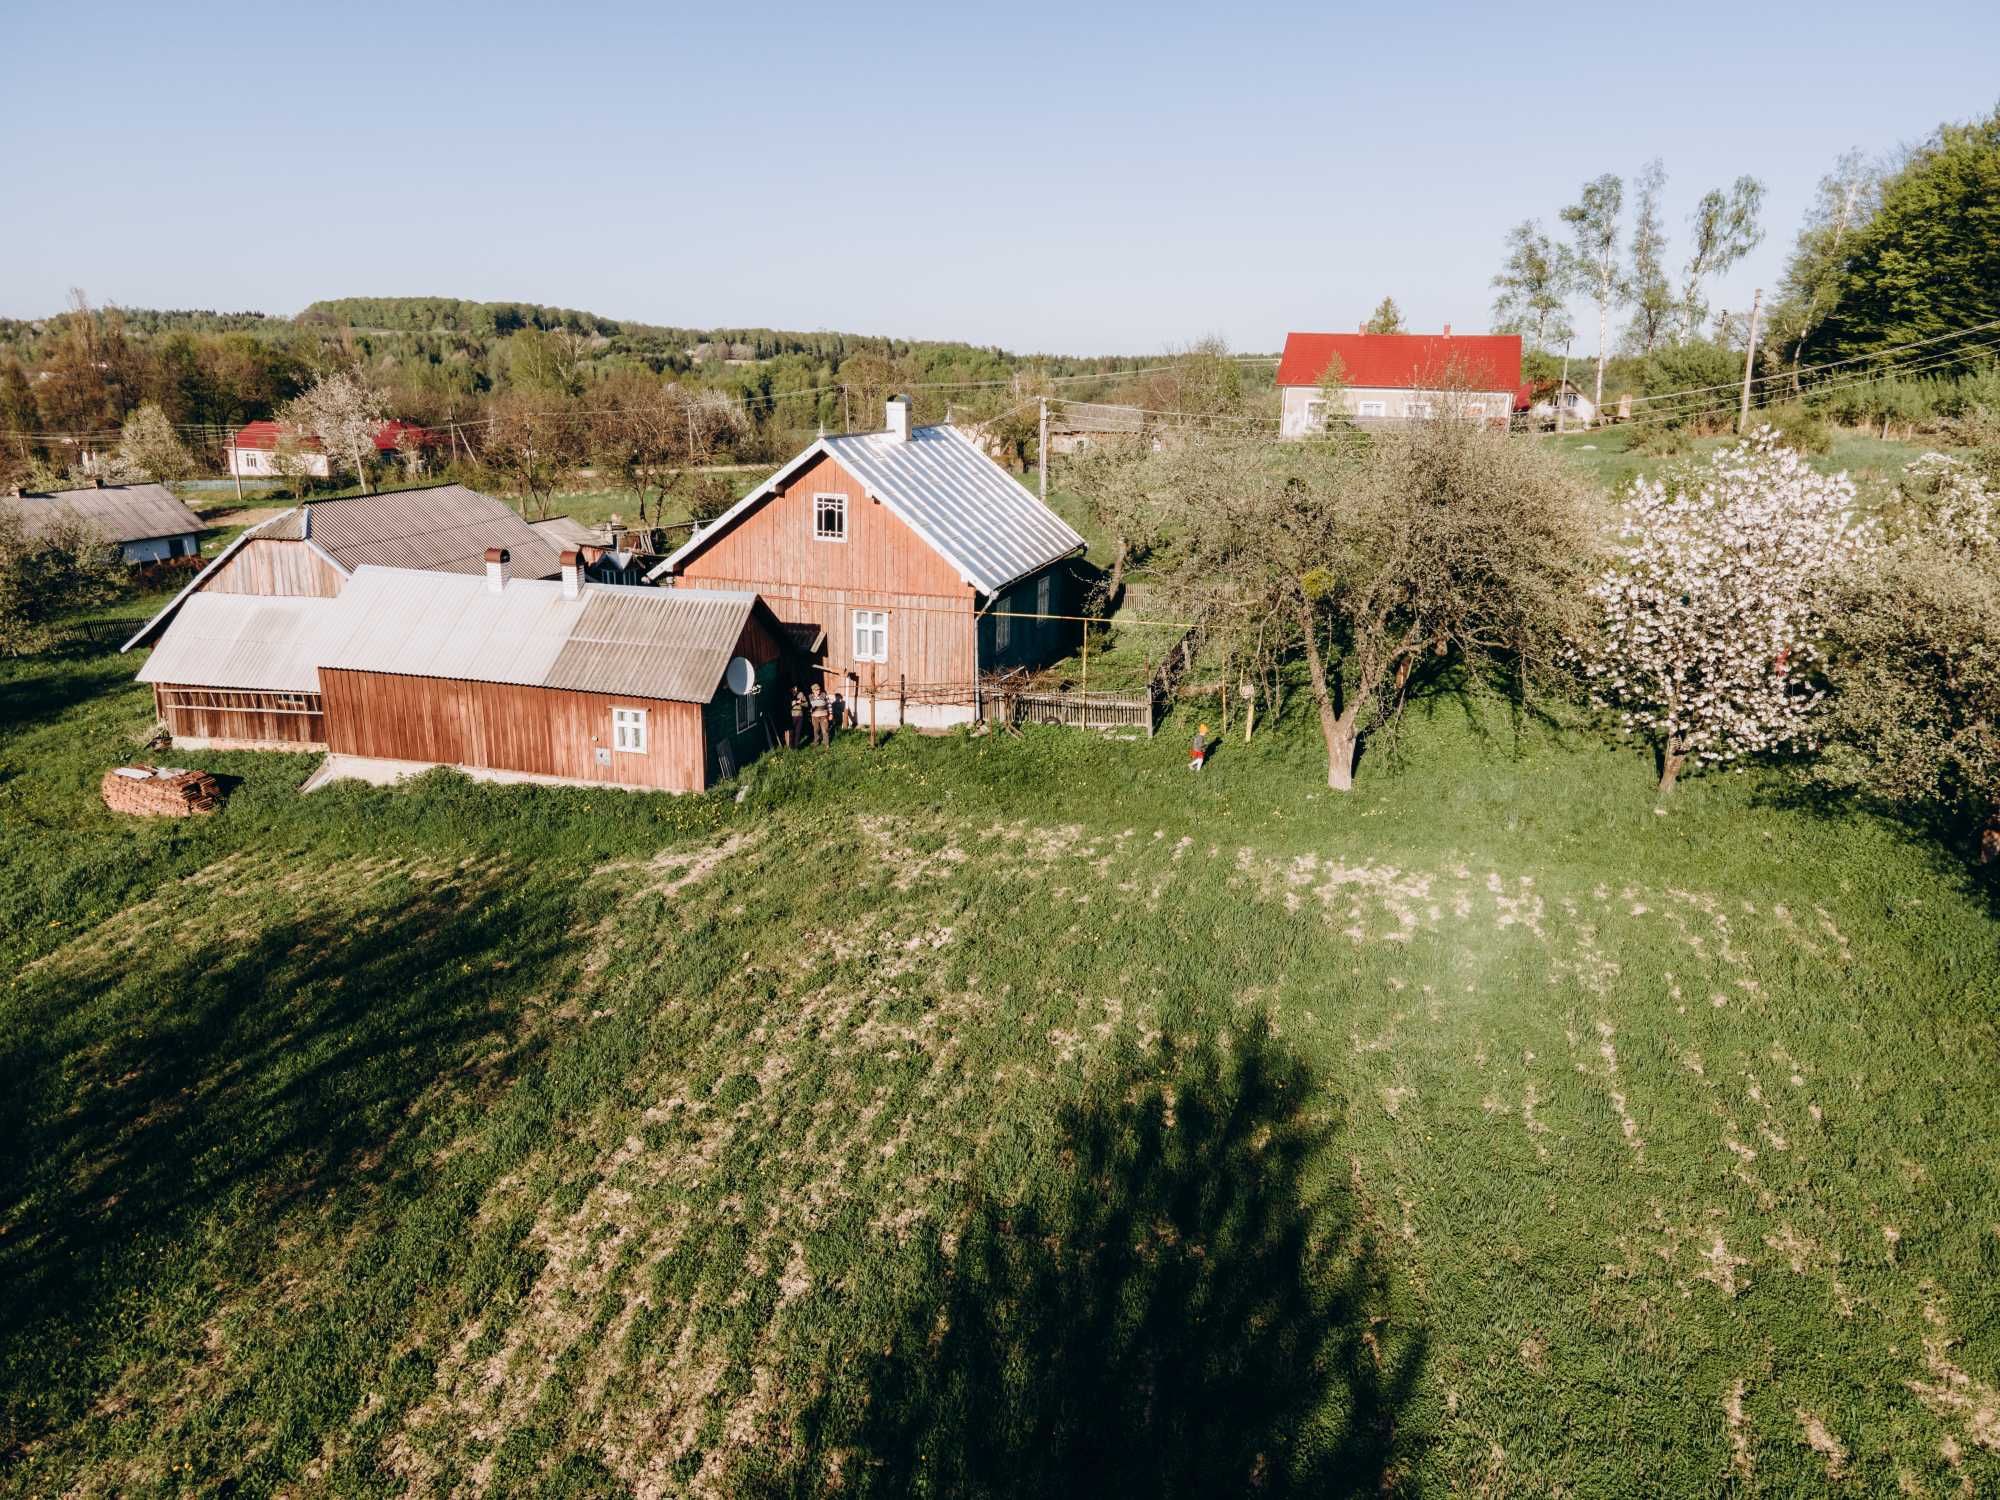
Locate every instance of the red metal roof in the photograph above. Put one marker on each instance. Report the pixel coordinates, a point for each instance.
(1481, 361)
(265, 435)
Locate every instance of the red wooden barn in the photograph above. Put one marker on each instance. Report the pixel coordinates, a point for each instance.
(907, 561)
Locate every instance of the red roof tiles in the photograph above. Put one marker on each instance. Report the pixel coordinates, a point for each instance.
(1404, 361)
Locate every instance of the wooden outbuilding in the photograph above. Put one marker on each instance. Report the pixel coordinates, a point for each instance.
(568, 680)
(921, 564)
(312, 549)
(147, 523)
(240, 672)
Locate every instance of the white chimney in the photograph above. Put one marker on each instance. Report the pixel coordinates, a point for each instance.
(899, 419)
(496, 569)
(1447, 330)
(572, 573)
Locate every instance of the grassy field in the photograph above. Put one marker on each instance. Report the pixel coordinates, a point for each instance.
(1875, 464)
(1016, 1115)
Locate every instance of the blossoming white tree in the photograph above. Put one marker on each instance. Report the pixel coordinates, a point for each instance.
(1711, 620)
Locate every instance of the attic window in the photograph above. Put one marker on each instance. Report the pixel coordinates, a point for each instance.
(829, 518)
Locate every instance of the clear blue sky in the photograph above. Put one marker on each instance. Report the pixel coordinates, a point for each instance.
(1072, 178)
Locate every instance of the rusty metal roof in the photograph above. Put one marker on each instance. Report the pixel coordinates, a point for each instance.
(246, 642)
(971, 511)
(611, 638)
(123, 512)
(443, 527)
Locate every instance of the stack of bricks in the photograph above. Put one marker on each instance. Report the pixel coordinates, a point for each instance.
(158, 792)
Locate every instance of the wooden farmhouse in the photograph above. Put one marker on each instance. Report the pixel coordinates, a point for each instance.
(311, 550)
(565, 681)
(145, 522)
(907, 562)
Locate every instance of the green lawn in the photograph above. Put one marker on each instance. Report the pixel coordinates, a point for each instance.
(1610, 457)
(1011, 1115)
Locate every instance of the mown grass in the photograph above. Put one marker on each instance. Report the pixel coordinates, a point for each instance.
(1012, 1115)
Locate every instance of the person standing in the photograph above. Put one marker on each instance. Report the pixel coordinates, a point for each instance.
(822, 715)
(798, 718)
(1198, 749)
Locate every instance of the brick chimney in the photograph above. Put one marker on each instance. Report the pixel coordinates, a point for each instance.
(899, 419)
(497, 559)
(572, 573)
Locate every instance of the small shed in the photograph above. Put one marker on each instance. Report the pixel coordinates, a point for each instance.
(240, 672)
(568, 680)
(145, 522)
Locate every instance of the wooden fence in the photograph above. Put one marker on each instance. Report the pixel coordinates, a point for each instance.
(1027, 705)
(71, 634)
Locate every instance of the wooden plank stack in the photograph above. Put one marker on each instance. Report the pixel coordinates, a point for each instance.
(160, 791)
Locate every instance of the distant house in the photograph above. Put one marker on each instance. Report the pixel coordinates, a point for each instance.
(1078, 426)
(1397, 377)
(566, 681)
(144, 521)
(241, 672)
(914, 563)
(610, 553)
(1539, 404)
(312, 549)
(255, 449)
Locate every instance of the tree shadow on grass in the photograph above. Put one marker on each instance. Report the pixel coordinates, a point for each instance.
(219, 1090)
(1185, 1302)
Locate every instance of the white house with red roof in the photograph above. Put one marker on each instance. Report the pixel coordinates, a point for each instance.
(1397, 377)
(255, 448)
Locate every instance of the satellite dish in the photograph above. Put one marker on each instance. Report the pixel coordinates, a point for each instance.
(741, 676)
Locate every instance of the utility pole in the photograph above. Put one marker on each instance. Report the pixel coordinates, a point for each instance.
(1042, 455)
(1749, 362)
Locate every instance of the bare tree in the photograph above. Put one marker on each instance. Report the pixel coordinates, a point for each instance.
(533, 444)
(1372, 557)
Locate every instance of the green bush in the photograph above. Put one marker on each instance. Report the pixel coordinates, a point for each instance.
(1801, 428)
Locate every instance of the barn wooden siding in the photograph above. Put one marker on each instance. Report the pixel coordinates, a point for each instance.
(883, 564)
(502, 727)
(276, 569)
(231, 719)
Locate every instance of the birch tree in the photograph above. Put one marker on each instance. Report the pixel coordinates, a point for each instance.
(1646, 286)
(1711, 623)
(1722, 230)
(1531, 289)
(1590, 260)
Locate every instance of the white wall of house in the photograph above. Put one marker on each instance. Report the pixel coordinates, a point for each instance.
(1304, 409)
(262, 463)
(159, 548)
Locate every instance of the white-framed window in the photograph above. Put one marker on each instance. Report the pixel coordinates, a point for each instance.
(746, 709)
(871, 635)
(829, 518)
(1315, 414)
(628, 730)
(1370, 408)
(1003, 628)
(1419, 410)
(1476, 409)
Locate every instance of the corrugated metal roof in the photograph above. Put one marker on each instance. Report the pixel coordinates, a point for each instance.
(566, 531)
(246, 641)
(612, 638)
(444, 527)
(123, 512)
(944, 486)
